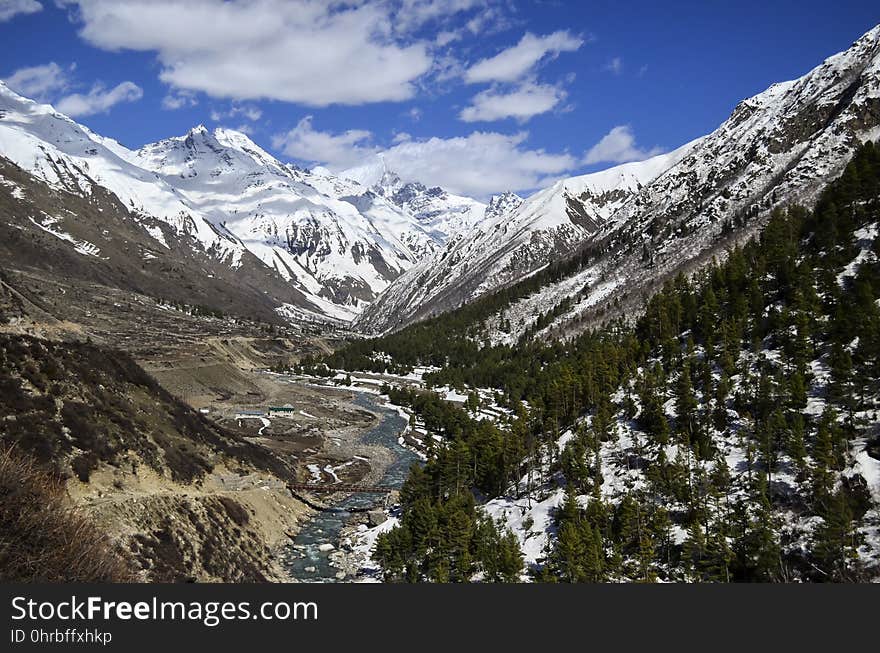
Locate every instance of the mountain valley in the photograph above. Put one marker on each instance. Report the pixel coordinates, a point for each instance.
(662, 371)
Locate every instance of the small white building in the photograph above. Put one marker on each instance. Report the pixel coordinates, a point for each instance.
(282, 411)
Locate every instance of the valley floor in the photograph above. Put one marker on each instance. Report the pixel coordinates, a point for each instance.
(317, 427)
(217, 365)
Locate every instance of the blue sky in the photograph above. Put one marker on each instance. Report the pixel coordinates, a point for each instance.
(476, 96)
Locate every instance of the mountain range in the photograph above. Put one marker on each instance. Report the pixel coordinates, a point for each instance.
(331, 243)
(648, 219)
(368, 248)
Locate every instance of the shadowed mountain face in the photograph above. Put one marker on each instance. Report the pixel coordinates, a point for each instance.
(98, 240)
(648, 219)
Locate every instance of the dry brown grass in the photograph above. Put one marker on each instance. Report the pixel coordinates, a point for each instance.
(42, 537)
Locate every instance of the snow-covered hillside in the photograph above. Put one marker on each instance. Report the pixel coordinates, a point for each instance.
(516, 238)
(336, 242)
(444, 214)
(69, 156)
(731, 434)
(332, 241)
(780, 146)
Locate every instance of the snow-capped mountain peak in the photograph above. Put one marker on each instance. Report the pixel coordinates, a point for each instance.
(322, 233)
(371, 173)
(338, 250)
(444, 214)
(200, 150)
(503, 204)
(69, 156)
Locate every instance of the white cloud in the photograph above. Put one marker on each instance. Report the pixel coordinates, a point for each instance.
(518, 61)
(478, 165)
(523, 102)
(446, 68)
(492, 17)
(246, 129)
(99, 99)
(618, 146)
(250, 112)
(9, 9)
(247, 111)
(39, 82)
(179, 100)
(272, 49)
(414, 14)
(489, 21)
(614, 66)
(447, 37)
(343, 150)
(46, 82)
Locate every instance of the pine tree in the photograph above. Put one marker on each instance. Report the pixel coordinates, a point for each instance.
(661, 528)
(840, 389)
(626, 524)
(456, 534)
(797, 391)
(574, 464)
(822, 477)
(645, 556)
(508, 558)
(764, 539)
(694, 549)
(719, 413)
(797, 447)
(836, 540)
(685, 403)
(721, 481)
(568, 555)
(498, 552)
(653, 418)
(719, 555)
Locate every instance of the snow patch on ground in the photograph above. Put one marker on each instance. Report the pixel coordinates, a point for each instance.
(81, 246)
(516, 514)
(15, 189)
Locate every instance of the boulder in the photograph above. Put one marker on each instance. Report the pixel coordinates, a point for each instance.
(377, 517)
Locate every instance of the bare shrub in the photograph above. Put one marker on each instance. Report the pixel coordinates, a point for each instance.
(42, 537)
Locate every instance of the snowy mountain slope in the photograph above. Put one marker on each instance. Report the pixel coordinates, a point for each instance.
(442, 213)
(405, 226)
(153, 225)
(53, 238)
(516, 238)
(330, 242)
(732, 407)
(68, 156)
(335, 243)
(780, 146)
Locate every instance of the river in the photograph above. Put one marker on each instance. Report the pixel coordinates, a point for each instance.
(304, 559)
